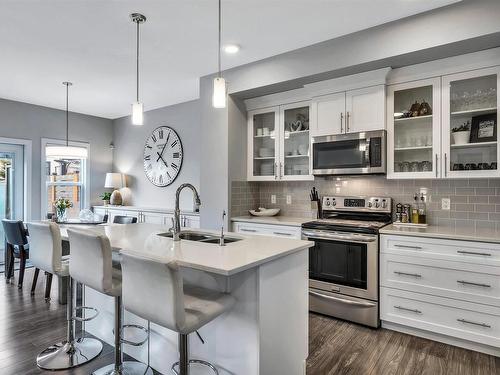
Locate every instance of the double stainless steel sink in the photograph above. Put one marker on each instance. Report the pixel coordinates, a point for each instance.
(200, 237)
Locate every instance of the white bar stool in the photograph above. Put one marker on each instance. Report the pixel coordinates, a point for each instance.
(155, 291)
(46, 254)
(91, 264)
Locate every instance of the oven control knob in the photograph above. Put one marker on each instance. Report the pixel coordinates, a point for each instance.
(377, 205)
(384, 204)
(334, 203)
(369, 204)
(327, 203)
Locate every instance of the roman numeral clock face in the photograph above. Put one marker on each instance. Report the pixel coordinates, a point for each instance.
(163, 156)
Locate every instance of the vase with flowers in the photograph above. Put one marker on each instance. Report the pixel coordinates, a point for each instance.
(61, 205)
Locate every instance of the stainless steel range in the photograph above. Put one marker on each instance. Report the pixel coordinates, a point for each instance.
(344, 263)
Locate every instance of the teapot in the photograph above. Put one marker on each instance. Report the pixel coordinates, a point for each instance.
(424, 109)
(415, 109)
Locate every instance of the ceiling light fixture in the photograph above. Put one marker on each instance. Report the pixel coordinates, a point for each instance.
(219, 95)
(137, 106)
(231, 48)
(66, 152)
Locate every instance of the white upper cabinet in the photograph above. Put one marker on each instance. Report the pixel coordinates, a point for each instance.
(470, 122)
(414, 129)
(365, 109)
(327, 114)
(349, 111)
(279, 143)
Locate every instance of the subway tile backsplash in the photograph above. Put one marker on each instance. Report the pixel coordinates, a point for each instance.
(474, 202)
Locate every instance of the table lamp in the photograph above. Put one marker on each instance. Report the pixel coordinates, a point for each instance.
(115, 181)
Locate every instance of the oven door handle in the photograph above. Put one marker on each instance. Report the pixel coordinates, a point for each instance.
(333, 236)
(343, 300)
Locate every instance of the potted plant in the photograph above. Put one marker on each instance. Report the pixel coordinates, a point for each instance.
(106, 197)
(61, 205)
(461, 134)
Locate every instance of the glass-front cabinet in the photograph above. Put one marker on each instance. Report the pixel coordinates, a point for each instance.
(279, 143)
(470, 121)
(414, 129)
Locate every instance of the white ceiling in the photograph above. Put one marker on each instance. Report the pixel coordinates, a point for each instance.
(92, 43)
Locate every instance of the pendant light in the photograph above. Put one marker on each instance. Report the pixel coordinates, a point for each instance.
(219, 96)
(66, 152)
(137, 107)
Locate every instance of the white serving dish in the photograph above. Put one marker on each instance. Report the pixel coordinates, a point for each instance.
(265, 212)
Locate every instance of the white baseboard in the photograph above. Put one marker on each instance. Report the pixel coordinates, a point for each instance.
(443, 338)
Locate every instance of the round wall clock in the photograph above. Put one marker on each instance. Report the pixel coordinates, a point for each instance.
(163, 156)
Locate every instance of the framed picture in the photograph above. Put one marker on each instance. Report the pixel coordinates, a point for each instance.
(484, 128)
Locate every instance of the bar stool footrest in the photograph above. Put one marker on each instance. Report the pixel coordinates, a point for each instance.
(86, 308)
(197, 362)
(133, 343)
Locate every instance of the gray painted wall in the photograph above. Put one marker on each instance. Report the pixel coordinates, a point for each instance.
(27, 121)
(129, 143)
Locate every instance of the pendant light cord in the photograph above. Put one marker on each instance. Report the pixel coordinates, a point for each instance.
(220, 27)
(67, 114)
(137, 63)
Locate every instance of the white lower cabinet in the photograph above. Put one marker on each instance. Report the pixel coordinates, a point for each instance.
(443, 287)
(268, 230)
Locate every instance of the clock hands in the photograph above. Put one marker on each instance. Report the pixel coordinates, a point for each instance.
(163, 160)
(163, 149)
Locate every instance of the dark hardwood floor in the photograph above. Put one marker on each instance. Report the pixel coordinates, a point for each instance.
(29, 324)
(338, 347)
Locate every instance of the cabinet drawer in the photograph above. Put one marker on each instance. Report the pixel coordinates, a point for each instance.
(433, 248)
(469, 321)
(268, 230)
(470, 282)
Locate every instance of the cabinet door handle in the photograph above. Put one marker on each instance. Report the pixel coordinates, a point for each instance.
(445, 165)
(408, 247)
(436, 166)
(248, 230)
(474, 323)
(276, 171)
(341, 122)
(282, 234)
(473, 253)
(347, 121)
(407, 274)
(282, 170)
(473, 284)
(407, 309)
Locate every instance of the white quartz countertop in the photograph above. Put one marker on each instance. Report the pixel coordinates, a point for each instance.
(451, 233)
(142, 240)
(147, 209)
(276, 220)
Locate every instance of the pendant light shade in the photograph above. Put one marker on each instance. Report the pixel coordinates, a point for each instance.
(137, 113)
(137, 106)
(219, 95)
(66, 152)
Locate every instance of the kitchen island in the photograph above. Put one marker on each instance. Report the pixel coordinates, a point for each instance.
(266, 332)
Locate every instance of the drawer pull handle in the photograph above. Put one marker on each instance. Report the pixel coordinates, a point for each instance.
(407, 274)
(474, 323)
(248, 230)
(282, 234)
(408, 247)
(407, 309)
(474, 284)
(473, 253)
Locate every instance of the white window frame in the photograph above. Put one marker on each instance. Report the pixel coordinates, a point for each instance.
(84, 174)
(27, 143)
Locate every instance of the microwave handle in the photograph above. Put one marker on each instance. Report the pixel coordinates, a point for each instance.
(367, 152)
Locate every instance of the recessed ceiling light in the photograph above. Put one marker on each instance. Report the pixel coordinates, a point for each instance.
(231, 48)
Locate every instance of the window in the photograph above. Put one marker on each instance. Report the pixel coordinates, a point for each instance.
(64, 177)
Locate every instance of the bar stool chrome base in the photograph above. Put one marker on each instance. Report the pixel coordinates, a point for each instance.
(198, 362)
(127, 368)
(65, 355)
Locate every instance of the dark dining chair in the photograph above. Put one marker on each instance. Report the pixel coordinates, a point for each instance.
(17, 246)
(124, 219)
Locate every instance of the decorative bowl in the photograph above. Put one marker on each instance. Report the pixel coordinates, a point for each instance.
(265, 212)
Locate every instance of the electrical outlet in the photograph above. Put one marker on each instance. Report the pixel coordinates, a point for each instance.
(445, 203)
(288, 199)
(273, 198)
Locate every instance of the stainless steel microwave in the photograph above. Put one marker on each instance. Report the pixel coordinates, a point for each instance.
(355, 153)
